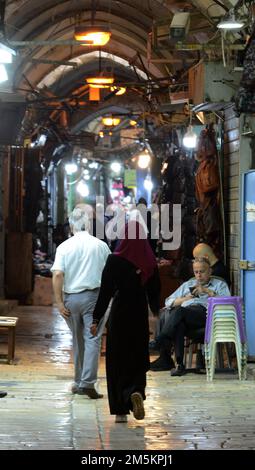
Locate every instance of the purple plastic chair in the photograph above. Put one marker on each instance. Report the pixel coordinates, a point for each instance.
(238, 304)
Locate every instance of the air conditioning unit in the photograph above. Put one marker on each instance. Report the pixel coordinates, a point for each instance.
(212, 82)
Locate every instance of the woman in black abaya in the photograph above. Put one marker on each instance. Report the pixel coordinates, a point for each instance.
(131, 277)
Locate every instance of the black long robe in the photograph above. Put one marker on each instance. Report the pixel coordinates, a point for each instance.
(127, 355)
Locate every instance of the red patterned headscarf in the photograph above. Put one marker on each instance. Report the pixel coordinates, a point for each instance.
(137, 250)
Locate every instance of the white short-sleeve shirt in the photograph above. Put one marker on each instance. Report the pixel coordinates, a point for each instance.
(81, 258)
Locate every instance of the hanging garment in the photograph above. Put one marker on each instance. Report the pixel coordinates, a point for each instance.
(207, 181)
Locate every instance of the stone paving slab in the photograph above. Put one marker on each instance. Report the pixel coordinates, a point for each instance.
(184, 413)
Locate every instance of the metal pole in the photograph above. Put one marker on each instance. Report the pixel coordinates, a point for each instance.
(2, 225)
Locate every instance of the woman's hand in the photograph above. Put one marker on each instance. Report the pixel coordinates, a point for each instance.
(93, 329)
(155, 314)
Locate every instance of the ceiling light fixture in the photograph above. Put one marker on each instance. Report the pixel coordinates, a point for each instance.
(144, 159)
(201, 117)
(100, 82)
(71, 168)
(132, 122)
(6, 54)
(148, 183)
(110, 121)
(119, 90)
(92, 35)
(104, 79)
(190, 138)
(116, 167)
(3, 74)
(82, 188)
(230, 22)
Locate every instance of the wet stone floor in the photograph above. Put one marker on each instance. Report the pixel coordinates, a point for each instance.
(39, 411)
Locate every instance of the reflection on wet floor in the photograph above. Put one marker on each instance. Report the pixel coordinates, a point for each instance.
(39, 411)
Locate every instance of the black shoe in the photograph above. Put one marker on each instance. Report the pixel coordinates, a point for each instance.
(137, 404)
(180, 370)
(200, 360)
(90, 392)
(161, 364)
(3, 394)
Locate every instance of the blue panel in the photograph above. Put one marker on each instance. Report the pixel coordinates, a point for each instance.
(249, 302)
(249, 216)
(248, 253)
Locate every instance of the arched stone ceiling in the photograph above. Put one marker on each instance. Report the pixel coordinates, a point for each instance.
(40, 69)
(130, 21)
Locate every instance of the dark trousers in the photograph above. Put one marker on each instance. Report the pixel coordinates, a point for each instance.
(180, 321)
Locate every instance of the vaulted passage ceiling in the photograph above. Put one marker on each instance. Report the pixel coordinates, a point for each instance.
(50, 68)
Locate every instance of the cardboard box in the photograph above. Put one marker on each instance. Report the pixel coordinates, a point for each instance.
(43, 291)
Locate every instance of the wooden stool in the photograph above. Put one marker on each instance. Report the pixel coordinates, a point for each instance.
(10, 323)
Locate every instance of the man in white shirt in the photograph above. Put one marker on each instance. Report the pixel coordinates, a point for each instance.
(77, 271)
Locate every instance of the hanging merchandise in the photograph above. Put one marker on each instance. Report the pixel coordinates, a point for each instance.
(207, 182)
(245, 101)
(207, 176)
(130, 178)
(206, 143)
(248, 78)
(245, 96)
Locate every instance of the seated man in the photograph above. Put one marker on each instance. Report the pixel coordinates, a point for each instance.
(202, 250)
(164, 361)
(188, 310)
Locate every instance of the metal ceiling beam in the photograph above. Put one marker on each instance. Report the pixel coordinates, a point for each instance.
(45, 42)
(197, 47)
(200, 47)
(204, 11)
(54, 62)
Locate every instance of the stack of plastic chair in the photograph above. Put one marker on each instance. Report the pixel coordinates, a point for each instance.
(225, 323)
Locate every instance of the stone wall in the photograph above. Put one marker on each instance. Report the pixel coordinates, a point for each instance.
(232, 195)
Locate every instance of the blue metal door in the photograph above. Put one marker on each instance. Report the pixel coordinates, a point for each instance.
(247, 263)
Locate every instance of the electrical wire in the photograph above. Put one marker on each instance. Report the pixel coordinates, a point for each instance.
(221, 5)
(213, 36)
(222, 49)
